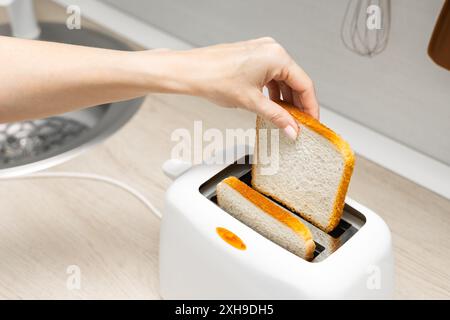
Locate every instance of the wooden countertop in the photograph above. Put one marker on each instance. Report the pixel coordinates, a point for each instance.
(48, 225)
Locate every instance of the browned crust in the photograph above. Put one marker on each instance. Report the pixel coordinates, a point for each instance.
(341, 145)
(275, 211)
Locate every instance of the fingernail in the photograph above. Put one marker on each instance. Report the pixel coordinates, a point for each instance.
(290, 132)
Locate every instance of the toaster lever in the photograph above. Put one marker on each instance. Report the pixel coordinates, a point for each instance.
(173, 168)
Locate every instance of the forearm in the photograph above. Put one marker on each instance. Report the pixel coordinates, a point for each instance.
(39, 79)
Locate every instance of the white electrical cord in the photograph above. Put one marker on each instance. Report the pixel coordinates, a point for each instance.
(90, 176)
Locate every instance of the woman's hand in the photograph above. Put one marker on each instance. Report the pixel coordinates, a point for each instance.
(233, 75)
(39, 79)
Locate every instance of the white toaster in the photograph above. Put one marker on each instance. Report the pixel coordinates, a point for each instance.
(205, 253)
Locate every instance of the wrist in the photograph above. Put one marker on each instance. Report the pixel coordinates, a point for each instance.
(162, 71)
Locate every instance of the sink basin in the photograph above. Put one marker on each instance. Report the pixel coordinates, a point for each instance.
(30, 146)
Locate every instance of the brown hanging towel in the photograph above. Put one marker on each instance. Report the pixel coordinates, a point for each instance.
(439, 47)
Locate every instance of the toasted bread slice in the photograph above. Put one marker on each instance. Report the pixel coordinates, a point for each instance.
(313, 171)
(265, 217)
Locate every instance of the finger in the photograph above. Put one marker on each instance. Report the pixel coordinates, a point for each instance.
(266, 39)
(310, 104)
(302, 85)
(286, 91)
(274, 90)
(296, 100)
(276, 114)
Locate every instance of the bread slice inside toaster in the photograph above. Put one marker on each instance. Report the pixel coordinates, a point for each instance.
(313, 171)
(265, 217)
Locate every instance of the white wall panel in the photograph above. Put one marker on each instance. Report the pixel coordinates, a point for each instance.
(400, 93)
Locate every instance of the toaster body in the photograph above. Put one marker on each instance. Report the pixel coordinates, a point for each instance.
(196, 262)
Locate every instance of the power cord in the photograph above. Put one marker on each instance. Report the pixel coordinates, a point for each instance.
(90, 176)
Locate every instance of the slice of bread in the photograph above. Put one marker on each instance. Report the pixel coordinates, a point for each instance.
(265, 217)
(313, 171)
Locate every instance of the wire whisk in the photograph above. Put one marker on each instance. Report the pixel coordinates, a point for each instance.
(357, 31)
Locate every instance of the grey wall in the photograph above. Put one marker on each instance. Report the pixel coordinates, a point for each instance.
(399, 93)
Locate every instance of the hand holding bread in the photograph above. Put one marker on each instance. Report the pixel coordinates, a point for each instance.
(234, 74)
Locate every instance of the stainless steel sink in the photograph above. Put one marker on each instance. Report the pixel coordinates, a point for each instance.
(35, 145)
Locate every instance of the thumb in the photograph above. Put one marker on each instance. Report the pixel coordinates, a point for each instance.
(276, 114)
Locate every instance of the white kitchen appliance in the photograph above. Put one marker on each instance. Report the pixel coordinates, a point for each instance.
(205, 253)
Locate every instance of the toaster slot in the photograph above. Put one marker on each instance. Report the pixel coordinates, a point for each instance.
(340, 229)
(319, 249)
(326, 243)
